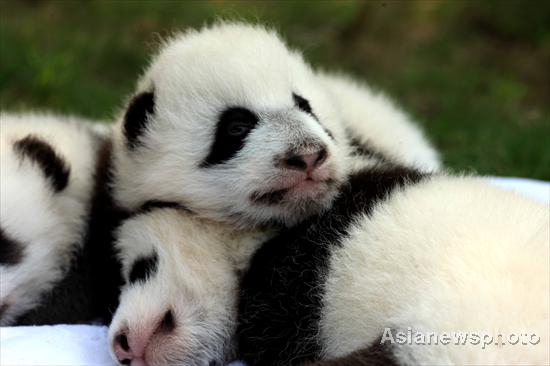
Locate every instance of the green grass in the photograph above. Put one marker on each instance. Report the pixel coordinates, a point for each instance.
(473, 73)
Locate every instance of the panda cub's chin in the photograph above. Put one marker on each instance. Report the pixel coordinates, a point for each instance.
(290, 205)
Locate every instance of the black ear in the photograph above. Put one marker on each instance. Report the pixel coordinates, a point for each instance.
(136, 117)
(54, 167)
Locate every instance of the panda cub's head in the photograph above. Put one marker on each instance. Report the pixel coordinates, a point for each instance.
(230, 123)
(179, 303)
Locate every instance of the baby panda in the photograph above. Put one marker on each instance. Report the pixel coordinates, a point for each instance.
(401, 255)
(179, 302)
(376, 128)
(46, 185)
(399, 252)
(232, 124)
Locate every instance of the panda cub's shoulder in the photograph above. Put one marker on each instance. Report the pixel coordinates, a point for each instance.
(46, 186)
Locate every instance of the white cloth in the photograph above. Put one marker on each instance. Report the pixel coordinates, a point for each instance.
(535, 189)
(54, 345)
(87, 345)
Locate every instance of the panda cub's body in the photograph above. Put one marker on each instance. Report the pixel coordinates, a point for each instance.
(402, 253)
(398, 251)
(46, 187)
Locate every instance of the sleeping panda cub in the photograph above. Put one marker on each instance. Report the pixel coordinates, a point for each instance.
(179, 302)
(376, 128)
(46, 185)
(398, 253)
(232, 124)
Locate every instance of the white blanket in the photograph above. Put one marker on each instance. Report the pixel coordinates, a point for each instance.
(87, 344)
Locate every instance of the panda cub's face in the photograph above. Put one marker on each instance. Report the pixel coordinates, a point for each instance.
(230, 123)
(179, 302)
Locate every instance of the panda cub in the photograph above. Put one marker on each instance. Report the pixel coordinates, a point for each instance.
(376, 127)
(399, 251)
(46, 185)
(179, 302)
(403, 253)
(232, 124)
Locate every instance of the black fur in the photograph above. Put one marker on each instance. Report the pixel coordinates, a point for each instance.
(53, 166)
(362, 148)
(269, 198)
(376, 354)
(3, 309)
(137, 116)
(234, 125)
(168, 323)
(143, 268)
(281, 292)
(89, 291)
(11, 251)
(303, 104)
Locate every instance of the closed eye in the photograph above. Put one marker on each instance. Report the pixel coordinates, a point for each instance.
(238, 128)
(233, 127)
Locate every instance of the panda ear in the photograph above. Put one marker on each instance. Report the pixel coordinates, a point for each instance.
(137, 116)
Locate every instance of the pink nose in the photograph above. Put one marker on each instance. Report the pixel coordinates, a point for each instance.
(129, 349)
(305, 162)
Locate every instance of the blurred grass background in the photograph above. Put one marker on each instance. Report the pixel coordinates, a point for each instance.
(475, 74)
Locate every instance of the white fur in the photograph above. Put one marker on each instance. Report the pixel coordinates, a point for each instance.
(196, 278)
(447, 255)
(196, 76)
(377, 122)
(48, 224)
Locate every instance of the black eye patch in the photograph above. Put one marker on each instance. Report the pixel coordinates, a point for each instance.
(233, 127)
(143, 268)
(302, 103)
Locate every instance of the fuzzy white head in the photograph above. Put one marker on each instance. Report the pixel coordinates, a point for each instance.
(230, 123)
(179, 302)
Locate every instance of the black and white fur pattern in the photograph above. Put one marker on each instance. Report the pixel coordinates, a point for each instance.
(179, 301)
(377, 129)
(230, 123)
(398, 249)
(46, 185)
